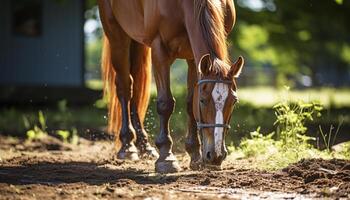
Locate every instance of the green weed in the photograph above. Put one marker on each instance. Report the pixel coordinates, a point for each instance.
(288, 143)
(67, 136)
(291, 119)
(329, 138)
(257, 144)
(38, 131)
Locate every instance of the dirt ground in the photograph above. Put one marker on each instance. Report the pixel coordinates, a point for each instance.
(50, 169)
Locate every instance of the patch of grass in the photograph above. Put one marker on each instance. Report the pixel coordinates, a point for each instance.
(39, 130)
(329, 138)
(288, 143)
(247, 116)
(17, 120)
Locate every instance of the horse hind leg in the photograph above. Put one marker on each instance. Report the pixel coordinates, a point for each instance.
(118, 82)
(124, 84)
(140, 59)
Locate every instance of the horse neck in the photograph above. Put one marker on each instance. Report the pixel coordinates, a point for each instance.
(196, 38)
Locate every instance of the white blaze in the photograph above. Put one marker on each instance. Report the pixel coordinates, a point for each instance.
(219, 94)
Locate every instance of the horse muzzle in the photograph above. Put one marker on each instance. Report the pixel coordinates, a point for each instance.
(213, 159)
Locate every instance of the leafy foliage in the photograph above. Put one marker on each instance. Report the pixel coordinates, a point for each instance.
(257, 144)
(38, 131)
(69, 136)
(290, 143)
(290, 121)
(303, 37)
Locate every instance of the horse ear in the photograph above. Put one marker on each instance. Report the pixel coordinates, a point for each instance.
(205, 64)
(237, 67)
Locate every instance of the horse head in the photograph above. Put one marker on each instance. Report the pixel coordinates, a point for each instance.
(214, 98)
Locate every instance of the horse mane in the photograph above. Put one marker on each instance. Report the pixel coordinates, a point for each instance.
(211, 16)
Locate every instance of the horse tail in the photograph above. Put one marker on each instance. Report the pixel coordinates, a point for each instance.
(141, 91)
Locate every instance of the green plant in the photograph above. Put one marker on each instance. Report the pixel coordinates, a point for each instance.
(291, 143)
(290, 121)
(69, 136)
(345, 152)
(257, 144)
(38, 131)
(329, 138)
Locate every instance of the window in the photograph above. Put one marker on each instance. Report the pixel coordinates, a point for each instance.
(27, 17)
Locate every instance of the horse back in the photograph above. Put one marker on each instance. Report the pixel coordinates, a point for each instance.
(138, 18)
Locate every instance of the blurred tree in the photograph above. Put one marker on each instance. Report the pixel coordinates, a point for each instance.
(300, 37)
(304, 36)
(93, 40)
(90, 3)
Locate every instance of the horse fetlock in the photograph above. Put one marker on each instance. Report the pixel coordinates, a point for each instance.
(141, 144)
(146, 150)
(127, 134)
(193, 149)
(151, 152)
(164, 142)
(128, 152)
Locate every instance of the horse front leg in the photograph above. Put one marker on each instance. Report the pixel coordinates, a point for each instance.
(192, 141)
(166, 162)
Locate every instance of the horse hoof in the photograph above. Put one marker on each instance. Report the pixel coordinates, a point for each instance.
(128, 156)
(129, 153)
(149, 152)
(213, 167)
(167, 165)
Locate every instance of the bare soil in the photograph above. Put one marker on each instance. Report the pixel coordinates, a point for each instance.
(50, 169)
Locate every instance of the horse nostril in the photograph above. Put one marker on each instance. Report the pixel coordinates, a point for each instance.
(209, 155)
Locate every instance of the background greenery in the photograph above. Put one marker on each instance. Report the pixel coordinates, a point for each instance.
(304, 44)
(301, 43)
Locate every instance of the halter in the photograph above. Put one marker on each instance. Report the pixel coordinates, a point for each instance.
(201, 125)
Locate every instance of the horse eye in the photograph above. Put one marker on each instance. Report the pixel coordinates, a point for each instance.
(203, 101)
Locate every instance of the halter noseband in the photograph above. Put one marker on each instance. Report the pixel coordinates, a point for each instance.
(201, 125)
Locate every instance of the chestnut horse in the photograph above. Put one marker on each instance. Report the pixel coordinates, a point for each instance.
(139, 33)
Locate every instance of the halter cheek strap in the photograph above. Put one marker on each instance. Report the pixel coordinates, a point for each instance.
(201, 125)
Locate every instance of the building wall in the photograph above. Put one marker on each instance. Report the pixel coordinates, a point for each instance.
(55, 58)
